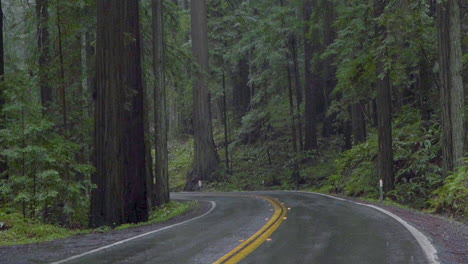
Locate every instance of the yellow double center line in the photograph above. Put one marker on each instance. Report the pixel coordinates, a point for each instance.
(244, 249)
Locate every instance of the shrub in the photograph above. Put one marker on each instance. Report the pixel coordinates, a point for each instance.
(452, 197)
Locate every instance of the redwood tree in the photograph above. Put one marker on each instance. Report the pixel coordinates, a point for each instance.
(206, 159)
(119, 156)
(43, 43)
(310, 82)
(3, 164)
(451, 83)
(384, 107)
(160, 108)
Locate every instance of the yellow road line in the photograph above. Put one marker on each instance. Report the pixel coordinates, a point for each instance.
(244, 249)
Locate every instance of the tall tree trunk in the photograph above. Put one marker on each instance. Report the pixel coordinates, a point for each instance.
(150, 186)
(160, 108)
(291, 106)
(289, 58)
(298, 86)
(241, 90)
(226, 138)
(3, 162)
(91, 59)
(206, 159)
(2, 58)
(384, 108)
(310, 86)
(62, 84)
(451, 84)
(329, 80)
(358, 123)
(43, 43)
(119, 158)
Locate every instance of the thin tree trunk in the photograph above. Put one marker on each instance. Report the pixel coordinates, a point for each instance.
(290, 89)
(241, 90)
(206, 159)
(226, 139)
(91, 72)
(358, 123)
(3, 161)
(62, 72)
(299, 90)
(150, 186)
(329, 69)
(384, 110)
(160, 108)
(291, 107)
(451, 84)
(43, 43)
(347, 135)
(119, 158)
(310, 94)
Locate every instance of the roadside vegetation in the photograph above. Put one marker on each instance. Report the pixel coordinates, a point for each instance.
(17, 230)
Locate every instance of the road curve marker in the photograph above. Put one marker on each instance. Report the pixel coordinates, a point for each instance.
(213, 206)
(262, 235)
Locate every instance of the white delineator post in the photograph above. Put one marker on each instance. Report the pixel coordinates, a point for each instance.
(199, 184)
(381, 190)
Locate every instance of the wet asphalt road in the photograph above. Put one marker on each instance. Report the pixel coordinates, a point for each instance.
(318, 230)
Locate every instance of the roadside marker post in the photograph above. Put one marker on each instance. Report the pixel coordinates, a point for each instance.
(199, 184)
(381, 190)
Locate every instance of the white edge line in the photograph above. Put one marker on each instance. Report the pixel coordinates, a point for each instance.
(424, 242)
(213, 206)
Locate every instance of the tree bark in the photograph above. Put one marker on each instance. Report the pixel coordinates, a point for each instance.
(63, 96)
(43, 43)
(358, 123)
(206, 159)
(160, 106)
(329, 79)
(451, 84)
(298, 86)
(241, 91)
(309, 84)
(384, 109)
(119, 157)
(3, 162)
(225, 121)
(291, 106)
(150, 186)
(2, 57)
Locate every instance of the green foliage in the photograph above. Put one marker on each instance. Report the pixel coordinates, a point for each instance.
(45, 180)
(417, 159)
(355, 174)
(22, 230)
(164, 213)
(180, 162)
(452, 197)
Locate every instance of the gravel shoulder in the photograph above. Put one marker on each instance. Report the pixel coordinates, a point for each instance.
(448, 236)
(60, 249)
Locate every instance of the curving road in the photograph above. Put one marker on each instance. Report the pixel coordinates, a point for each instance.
(316, 229)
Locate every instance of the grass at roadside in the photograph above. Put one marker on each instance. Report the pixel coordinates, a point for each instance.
(164, 213)
(25, 231)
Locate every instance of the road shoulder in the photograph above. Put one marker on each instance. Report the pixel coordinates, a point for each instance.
(449, 237)
(61, 249)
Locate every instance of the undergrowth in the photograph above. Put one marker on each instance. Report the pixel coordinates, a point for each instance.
(19, 230)
(452, 197)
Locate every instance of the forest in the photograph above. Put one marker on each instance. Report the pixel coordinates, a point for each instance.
(107, 106)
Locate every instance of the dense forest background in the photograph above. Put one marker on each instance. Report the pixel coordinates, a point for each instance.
(130, 100)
